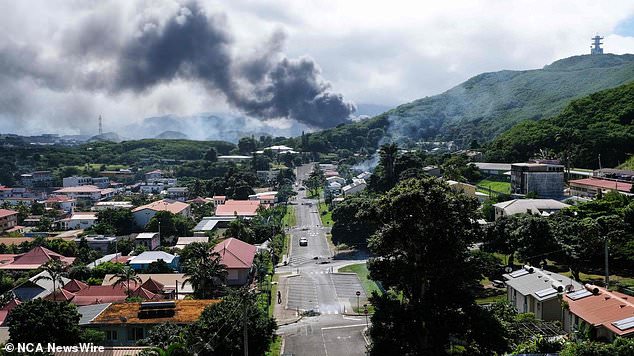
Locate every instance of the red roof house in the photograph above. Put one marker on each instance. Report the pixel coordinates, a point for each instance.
(34, 259)
(7, 308)
(243, 208)
(79, 293)
(237, 256)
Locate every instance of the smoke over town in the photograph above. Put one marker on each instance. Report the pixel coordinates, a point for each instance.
(104, 57)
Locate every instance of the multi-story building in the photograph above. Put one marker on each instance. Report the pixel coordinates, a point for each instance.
(86, 192)
(591, 187)
(37, 179)
(8, 219)
(545, 180)
(75, 181)
(177, 193)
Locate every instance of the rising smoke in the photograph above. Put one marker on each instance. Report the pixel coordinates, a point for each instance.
(190, 45)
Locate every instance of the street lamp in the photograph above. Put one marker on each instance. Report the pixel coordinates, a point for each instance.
(358, 295)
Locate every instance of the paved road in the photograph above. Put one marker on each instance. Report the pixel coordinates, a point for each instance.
(315, 287)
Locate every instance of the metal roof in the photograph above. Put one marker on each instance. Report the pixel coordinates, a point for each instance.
(539, 282)
(89, 312)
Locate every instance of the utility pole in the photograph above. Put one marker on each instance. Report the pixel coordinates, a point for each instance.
(607, 273)
(245, 332)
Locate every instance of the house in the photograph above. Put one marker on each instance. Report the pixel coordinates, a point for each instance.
(80, 293)
(127, 323)
(100, 243)
(37, 179)
(170, 285)
(465, 188)
(112, 257)
(186, 240)
(144, 213)
(149, 240)
(334, 188)
(17, 201)
(237, 256)
(177, 193)
(357, 186)
(34, 259)
(537, 291)
(155, 174)
(79, 220)
(120, 175)
(493, 169)
(8, 219)
(234, 158)
(211, 223)
(268, 198)
(6, 310)
(86, 192)
(545, 180)
(157, 185)
(591, 187)
(337, 179)
(75, 181)
(219, 199)
(103, 205)
(543, 207)
(621, 175)
(239, 208)
(60, 202)
(609, 313)
(38, 286)
(143, 260)
(279, 149)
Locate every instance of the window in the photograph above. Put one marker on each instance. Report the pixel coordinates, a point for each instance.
(111, 335)
(135, 334)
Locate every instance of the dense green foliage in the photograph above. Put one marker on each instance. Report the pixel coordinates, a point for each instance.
(598, 124)
(44, 321)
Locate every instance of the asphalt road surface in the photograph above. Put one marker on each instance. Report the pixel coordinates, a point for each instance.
(315, 287)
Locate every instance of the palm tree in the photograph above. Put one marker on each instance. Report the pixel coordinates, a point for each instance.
(207, 275)
(261, 266)
(55, 272)
(125, 276)
(388, 153)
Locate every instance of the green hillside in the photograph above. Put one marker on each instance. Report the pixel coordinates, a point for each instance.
(600, 123)
(488, 104)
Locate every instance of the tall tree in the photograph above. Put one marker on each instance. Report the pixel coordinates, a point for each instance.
(422, 253)
(126, 276)
(44, 321)
(55, 272)
(206, 274)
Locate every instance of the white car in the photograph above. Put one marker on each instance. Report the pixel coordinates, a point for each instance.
(303, 241)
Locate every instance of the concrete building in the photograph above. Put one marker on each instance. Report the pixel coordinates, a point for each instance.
(149, 240)
(86, 192)
(8, 219)
(465, 188)
(60, 202)
(211, 223)
(144, 213)
(238, 208)
(537, 291)
(237, 256)
(100, 242)
(143, 260)
(493, 169)
(543, 207)
(103, 205)
(357, 186)
(75, 181)
(545, 180)
(621, 175)
(177, 193)
(591, 187)
(234, 158)
(78, 220)
(37, 179)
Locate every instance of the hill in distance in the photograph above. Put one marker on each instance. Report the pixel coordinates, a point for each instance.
(172, 135)
(488, 104)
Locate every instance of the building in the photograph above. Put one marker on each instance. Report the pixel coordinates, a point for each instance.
(543, 207)
(591, 187)
(621, 175)
(537, 291)
(219, 199)
(186, 240)
(8, 219)
(38, 286)
(34, 259)
(127, 323)
(80, 293)
(143, 260)
(75, 181)
(78, 220)
(60, 202)
(211, 223)
(337, 179)
(122, 175)
(152, 175)
(237, 256)
(171, 285)
(493, 169)
(144, 213)
(545, 180)
(234, 158)
(177, 193)
(150, 240)
(267, 198)
(267, 176)
(86, 192)
(279, 149)
(357, 186)
(238, 208)
(432, 171)
(37, 179)
(100, 243)
(103, 205)
(465, 188)
(609, 313)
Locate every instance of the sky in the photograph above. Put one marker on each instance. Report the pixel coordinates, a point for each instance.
(66, 62)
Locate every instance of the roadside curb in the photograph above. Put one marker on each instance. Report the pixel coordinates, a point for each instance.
(291, 321)
(365, 337)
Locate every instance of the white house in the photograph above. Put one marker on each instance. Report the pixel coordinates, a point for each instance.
(357, 186)
(150, 240)
(144, 213)
(79, 220)
(86, 192)
(542, 207)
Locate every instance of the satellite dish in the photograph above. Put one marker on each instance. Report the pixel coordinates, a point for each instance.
(508, 269)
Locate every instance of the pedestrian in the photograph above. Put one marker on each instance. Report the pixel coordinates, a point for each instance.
(279, 297)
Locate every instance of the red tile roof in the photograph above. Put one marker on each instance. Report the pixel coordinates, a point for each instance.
(75, 286)
(172, 206)
(99, 294)
(144, 293)
(238, 207)
(603, 183)
(6, 212)
(7, 308)
(35, 258)
(235, 253)
(603, 309)
(152, 285)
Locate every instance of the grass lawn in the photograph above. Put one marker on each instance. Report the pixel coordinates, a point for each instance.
(289, 218)
(501, 187)
(326, 219)
(492, 299)
(361, 269)
(276, 347)
(273, 295)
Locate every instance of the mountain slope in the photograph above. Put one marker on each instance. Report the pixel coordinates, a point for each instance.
(598, 124)
(490, 103)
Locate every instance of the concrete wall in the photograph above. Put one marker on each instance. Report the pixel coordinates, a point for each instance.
(545, 184)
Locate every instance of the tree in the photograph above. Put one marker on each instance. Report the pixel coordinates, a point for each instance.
(422, 252)
(44, 321)
(115, 221)
(247, 145)
(125, 277)
(385, 177)
(579, 242)
(219, 330)
(165, 334)
(354, 221)
(55, 272)
(211, 155)
(171, 225)
(206, 274)
(159, 266)
(241, 230)
(195, 251)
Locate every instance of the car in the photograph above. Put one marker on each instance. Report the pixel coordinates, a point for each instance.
(303, 241)
(301, 188)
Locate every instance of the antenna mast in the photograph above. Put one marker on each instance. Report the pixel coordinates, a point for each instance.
(100, 125)
(596, 45)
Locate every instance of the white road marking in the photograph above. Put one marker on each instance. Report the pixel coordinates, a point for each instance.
(342, 327)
